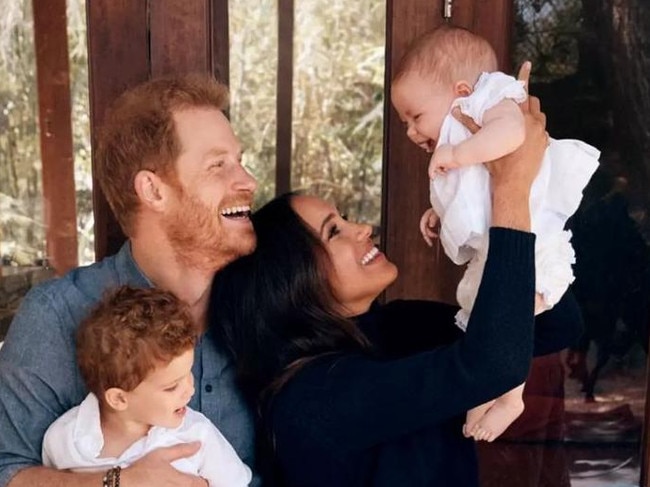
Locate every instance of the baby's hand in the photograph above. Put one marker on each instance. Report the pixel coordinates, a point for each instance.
(428, 222)
(441, 160)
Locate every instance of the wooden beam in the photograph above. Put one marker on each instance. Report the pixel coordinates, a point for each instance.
(54, 104)
(220, 41)
(179, 36)
(118, 58)
(424, 273)
(284, 100)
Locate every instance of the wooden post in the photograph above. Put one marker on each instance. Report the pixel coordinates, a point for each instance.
(284, 100)
(53, 74)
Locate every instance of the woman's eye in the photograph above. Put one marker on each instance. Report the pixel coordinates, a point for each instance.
(171, 389)
(333, 232)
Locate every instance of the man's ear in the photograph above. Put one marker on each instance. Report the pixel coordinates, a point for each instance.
(463, 88)
(150, 189)
(116, 398)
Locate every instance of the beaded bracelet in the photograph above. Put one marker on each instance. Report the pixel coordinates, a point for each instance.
(112, 477)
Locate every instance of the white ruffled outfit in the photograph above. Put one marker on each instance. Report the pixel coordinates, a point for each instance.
(461, 198)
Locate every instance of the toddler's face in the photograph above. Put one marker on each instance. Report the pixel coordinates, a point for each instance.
(161, 398)
(422, 105)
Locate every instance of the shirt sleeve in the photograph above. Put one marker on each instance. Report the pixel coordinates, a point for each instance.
(220, 465)
(353, 402)
(38, 381)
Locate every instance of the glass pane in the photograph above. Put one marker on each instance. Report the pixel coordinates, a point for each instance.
(253, 28)
(337, 98)
(338, 103)
(22, 234)
(584, 414)
(78, 54)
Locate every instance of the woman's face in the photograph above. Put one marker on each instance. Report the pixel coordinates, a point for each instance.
(359, 271)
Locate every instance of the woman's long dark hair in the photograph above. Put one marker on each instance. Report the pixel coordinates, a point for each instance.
(274, 310)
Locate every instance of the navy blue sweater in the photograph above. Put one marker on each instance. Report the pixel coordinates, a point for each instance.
(395, 419)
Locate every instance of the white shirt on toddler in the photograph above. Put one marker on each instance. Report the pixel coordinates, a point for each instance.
(75, 440)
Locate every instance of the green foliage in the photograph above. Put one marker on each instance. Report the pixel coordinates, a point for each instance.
(21, 229)
(338, 103)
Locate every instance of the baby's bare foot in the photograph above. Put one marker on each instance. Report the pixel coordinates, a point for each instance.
(473, 417)
(497, 419)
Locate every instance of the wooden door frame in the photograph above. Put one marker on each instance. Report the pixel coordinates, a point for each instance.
(405, 189)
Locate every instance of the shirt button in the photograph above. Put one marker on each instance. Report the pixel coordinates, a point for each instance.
(208, 388)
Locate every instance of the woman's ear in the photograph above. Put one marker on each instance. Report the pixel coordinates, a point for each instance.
(116, 398)
(463, 88)
(150, 189)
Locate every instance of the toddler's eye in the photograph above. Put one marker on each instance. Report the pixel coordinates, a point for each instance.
(171, 389)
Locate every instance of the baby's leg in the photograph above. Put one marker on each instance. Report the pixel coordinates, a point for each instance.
(540, 304)
(473, 417)
(503, 412)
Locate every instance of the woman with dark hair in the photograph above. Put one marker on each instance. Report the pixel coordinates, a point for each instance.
(351, 392)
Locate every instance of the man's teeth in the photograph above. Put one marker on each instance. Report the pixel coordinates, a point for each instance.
(369, 256)
(236, 211)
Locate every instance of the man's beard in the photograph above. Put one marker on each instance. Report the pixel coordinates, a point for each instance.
(199, 240)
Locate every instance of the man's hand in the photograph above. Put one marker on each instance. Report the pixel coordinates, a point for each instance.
(154, 469)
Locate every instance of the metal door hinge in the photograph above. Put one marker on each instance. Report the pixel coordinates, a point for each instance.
(447, 9)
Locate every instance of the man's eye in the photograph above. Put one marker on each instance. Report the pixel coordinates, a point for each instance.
(217, 163)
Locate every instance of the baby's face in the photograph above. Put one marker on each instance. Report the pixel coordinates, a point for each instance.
(422, 105)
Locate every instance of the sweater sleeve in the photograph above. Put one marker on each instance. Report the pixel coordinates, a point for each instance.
(351, 402)
(404, 327)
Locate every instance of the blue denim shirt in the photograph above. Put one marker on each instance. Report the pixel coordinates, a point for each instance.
(40, 380)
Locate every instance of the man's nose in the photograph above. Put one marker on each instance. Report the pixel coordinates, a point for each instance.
(245, 180)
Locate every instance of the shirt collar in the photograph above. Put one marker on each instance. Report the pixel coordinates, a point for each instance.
(127, 268)
(88, 431)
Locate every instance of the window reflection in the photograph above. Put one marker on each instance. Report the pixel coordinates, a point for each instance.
(585, 407)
